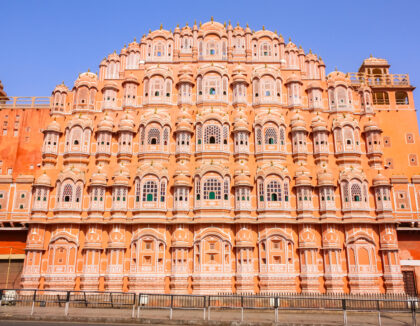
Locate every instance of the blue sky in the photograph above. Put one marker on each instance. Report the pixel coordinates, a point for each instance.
(46, 42)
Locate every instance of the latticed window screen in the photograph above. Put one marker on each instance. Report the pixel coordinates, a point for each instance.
(78, 193)
(286, 191)
(226, 189)
(345, 188)
(265, 49)
(365, 193)
(150, 191)
(212, 189)
(142, 135)
(212, 134)
(138, 190)
(153, 136)
(356, 193)
(68, 193)
(197, 188)
(165, 136)
(225, 133)
(259, 136)
(273, 191)
(282, 136)
(261, 190)
(270, 136)
(162, 191)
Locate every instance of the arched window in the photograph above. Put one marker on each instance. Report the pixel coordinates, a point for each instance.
(159, 50)
(259, 136)
(265, 49)
(165, 136)
(78, 194)
(212, 134)
(273, 191)
(226, 189)
(356, 193)
(162, 191)
(150, 191)
(212, 189)
(401, 98)
(212, 91)
(67, 193)
(270, 136)
(153, 137)
(138, 190)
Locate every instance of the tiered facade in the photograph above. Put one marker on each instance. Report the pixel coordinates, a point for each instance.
(217, 159)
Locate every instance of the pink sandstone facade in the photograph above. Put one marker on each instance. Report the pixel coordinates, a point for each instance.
(218, 159)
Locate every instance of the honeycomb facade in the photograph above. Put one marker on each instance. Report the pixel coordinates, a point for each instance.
(218, 159)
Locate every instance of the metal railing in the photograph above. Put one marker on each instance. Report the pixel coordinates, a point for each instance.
(64, 301)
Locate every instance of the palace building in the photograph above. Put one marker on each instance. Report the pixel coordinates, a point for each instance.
(216, 159)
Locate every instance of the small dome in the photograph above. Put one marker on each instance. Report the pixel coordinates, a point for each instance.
(182, 180)
(61, 88)
(240, 123)
(106, 124)
(371, 125)
(120, 178)
(43, 180)
(53, 126)
(319, 124)
(293, 78)
(126, 123)
(380, 180)
(325, 178)
(239, 74)
(130, 79)
(242, 180)
(298, 123)
(98, 179)
(114, 57)
(302, 176)
(110, 85)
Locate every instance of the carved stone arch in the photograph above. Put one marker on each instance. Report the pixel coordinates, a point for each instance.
(212, 231)
(276, 233)
(360, 235)
(148, 232)
(66, 236)
(212, 68)
(222, 171)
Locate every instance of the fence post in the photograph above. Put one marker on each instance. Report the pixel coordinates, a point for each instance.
(276, 309)
(413, 312)
(242, 308)
(379, 312)
(66, 307)
(208, 308)
(33, 303)
(204, 307)
(343, 304)
(134, 306)
(138, 306)
(172, 304)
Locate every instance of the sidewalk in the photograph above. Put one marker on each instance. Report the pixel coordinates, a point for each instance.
(195, 317)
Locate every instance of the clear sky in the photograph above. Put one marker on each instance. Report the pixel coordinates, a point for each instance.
(46, 42)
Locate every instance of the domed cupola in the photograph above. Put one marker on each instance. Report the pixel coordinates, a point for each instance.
(85, 89)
